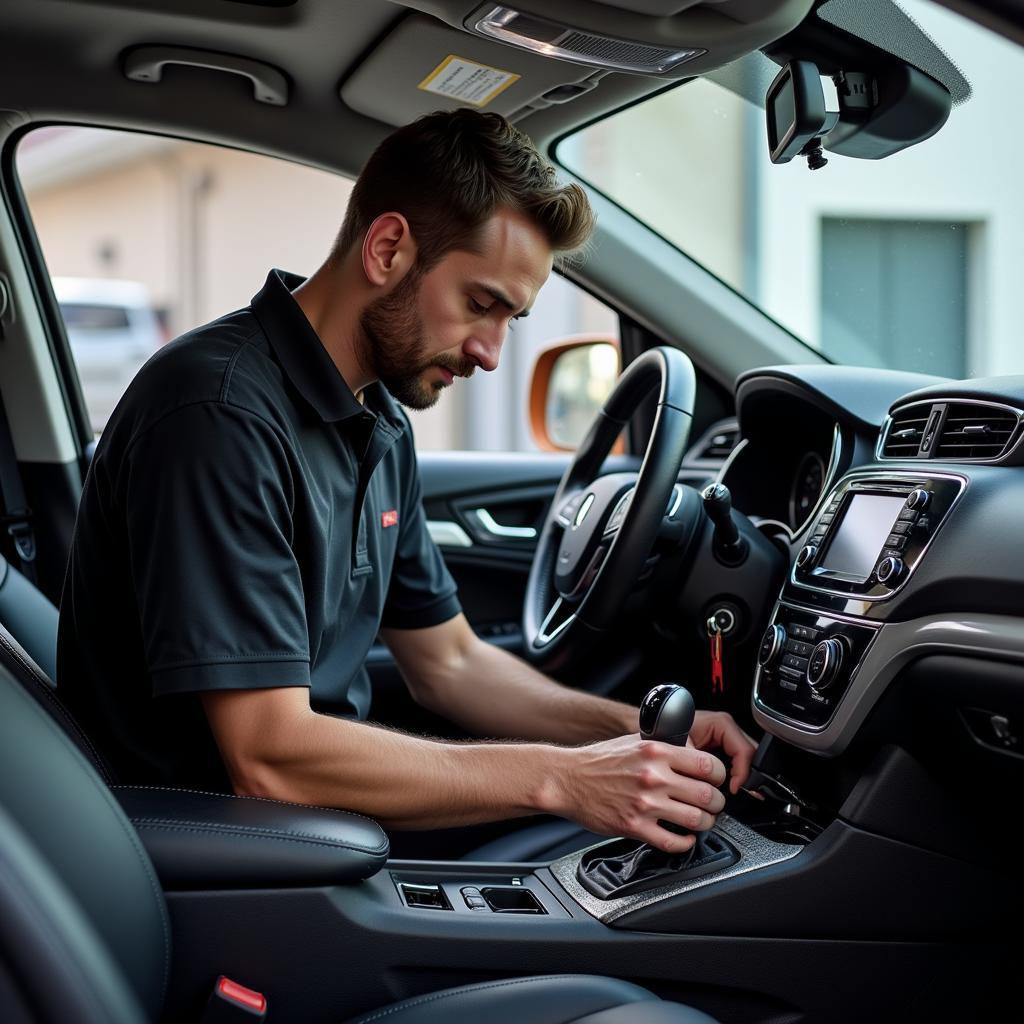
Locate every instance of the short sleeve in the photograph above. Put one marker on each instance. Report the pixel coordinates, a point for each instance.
(421, 591)
(208, 503)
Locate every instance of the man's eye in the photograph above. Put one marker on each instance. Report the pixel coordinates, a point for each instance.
(476, 307)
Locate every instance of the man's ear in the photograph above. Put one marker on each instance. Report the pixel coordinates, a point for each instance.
(389, 251)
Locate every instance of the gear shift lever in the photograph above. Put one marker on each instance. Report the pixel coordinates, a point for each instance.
(626, 866)
(666, 714)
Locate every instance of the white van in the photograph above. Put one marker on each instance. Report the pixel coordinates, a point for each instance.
(113, 329)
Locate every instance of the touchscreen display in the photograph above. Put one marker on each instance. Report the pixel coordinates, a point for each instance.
(854, 547)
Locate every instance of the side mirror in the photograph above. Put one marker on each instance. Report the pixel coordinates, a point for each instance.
(571, 379)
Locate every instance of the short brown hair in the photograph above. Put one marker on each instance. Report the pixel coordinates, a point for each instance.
(448, 172)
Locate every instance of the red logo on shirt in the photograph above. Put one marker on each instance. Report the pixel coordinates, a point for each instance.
(389, 518)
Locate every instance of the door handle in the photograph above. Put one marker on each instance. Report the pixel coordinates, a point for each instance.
(494, 529)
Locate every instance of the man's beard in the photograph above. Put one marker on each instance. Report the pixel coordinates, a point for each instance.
(394, 341)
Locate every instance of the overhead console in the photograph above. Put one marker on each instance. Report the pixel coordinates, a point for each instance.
(520, 57)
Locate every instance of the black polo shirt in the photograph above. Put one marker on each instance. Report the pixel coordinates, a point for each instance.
(245, 523)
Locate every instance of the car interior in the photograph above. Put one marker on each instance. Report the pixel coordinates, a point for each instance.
(823, 549)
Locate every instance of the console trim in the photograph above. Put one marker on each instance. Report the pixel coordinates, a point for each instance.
(755, 850)
(896, 645)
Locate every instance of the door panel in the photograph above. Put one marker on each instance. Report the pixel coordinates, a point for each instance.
(490, 566)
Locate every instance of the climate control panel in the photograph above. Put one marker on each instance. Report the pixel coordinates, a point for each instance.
(805, 664)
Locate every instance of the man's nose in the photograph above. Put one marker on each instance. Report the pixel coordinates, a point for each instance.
(484, 347)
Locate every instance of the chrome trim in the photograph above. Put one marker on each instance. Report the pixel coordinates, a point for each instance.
(910, 477)
(883, 434)
(447, 534)
(830, 479)
(777, 632)
(796, 480)
(543, 639)
(494, 529)
(581, 513)
(730, 459)
(675, 500)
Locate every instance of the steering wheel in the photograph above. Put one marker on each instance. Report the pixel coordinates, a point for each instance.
(600, 530)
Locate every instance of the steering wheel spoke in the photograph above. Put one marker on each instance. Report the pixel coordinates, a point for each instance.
(559, 617)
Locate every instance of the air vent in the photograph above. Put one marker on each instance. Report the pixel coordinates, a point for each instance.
(720, 444)
(905, 433)
(975, 431)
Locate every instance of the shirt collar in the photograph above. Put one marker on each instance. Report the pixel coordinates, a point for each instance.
(306, 362)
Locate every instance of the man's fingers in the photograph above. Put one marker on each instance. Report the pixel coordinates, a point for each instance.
(666, 841)
(697, 764)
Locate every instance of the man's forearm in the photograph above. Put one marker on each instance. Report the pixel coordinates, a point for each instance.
(402, 781)
(489, 692)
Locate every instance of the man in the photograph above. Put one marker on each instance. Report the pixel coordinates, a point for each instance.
(252, 519)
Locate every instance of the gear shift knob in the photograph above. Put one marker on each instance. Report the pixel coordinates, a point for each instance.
(666, 714)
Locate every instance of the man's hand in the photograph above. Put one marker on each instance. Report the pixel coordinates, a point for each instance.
(625, 786)
(717, 730)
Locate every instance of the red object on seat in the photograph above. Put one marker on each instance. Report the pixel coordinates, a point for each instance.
(246, 997)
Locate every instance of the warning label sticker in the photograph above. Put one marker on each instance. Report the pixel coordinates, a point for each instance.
(465, 80)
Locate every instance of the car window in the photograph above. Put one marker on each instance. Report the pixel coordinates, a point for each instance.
(147, 237)
(910, 262)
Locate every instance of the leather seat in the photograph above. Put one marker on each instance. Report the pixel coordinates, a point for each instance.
(29, 616)
(553, 999)
(84, 929)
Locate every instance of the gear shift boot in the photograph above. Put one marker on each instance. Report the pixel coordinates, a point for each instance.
(625, 866)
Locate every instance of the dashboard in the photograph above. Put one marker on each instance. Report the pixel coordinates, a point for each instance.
(897, 497)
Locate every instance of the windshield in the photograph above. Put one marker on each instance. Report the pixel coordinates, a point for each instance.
(912, 262)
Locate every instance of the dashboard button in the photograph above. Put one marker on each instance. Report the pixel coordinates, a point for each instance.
(889, 570)
(908, 515)
(896, 541)
(771, 645)
(824, 663)
(898, 527)
(799, 648)
(793, 662)
(806, 555)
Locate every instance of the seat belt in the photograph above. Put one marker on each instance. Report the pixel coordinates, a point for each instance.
(15, 515)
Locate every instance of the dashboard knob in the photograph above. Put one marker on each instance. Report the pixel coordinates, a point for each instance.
(824, 663)
(771, 646)
(806, 555)
(889, 570)
(918, 499)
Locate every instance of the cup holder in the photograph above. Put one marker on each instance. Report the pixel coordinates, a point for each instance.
(511, 900)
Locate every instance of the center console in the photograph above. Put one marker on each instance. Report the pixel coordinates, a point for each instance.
(862, 548)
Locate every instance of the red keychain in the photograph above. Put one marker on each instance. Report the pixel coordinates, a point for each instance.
(715, 634)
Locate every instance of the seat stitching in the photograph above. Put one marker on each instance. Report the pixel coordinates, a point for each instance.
(42, 684)
(236, 796)
(402, 1007)
(129, 831)
(254, 832)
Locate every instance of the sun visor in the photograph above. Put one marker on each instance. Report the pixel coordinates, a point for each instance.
(423, 65)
